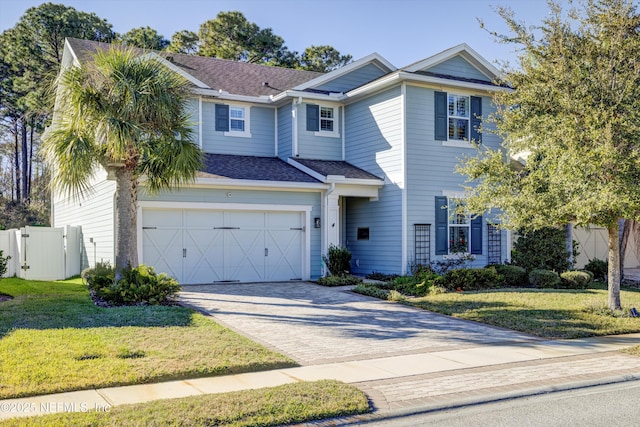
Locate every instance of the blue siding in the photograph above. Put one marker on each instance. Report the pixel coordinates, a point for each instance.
(353, 80)
(266, 197)
(262, 128)
(430, 165)
(285, 132)
(374, 143)
(311, 146)
(459, 67)
(193, 109)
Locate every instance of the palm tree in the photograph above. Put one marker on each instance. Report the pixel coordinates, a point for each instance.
(125, 113)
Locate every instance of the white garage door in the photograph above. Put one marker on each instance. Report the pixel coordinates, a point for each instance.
(205, 246)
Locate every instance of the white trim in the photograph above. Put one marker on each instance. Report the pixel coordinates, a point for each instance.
(374, 58)
(454, 194)
(403, 148)
(294, 126)
(200, 136)
(76, 62)
(175, 68)
(458, 144)
(335, 133)
(307, 170)
(342, 125)
(246, 183)
(246, 133)
(153, 204)
(275, 132)
(221, 94)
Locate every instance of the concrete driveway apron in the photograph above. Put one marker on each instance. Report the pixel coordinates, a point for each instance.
(315, 324)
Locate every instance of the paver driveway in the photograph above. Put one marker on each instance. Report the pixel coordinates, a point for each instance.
(315, 324)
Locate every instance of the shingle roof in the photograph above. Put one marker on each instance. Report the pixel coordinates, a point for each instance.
(457, 78)
(251, 168)
(234, 77)
(336, 167)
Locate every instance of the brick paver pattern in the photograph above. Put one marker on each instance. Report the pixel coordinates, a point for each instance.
(314, 324)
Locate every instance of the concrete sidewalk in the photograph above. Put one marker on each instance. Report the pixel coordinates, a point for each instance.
(396, 384)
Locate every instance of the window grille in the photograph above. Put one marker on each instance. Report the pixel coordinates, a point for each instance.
(422, 242)
(494, 238)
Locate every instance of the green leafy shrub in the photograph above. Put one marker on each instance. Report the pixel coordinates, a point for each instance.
(471, 279)
(339, 280)
(372, 291)
(598, 267)
(140, 285)
(540, 278)
(513, 276)
(575, 279)
(338, 260)
(542, 249)
(382, 277)
(591, 275)
(417, 285)
(100, 276)
(4, 261)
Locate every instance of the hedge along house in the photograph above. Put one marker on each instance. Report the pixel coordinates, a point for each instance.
(296, 161)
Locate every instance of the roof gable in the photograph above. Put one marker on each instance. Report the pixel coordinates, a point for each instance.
(459, 61)
(350, 76)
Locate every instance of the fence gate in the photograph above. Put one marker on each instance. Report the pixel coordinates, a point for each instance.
(41, 252)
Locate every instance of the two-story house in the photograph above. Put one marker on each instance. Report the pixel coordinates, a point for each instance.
(296, 161)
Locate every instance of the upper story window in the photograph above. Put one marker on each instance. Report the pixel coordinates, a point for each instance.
(326, 119)
(457, 119)
(321, 119)
(458, 112)
(233, 120)
(236, 119)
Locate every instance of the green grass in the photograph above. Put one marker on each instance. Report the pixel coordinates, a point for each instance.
(54, 339)
(548, 313)
(291, 403)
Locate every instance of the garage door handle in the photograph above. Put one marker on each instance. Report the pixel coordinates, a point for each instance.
(266, 251)
(226, 228)
(184, 252)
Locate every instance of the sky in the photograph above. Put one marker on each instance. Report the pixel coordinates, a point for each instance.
(402, 31)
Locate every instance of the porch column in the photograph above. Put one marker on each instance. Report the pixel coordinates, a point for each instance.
(333, 220)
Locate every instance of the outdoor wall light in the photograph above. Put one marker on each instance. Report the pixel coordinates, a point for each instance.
(316, 222)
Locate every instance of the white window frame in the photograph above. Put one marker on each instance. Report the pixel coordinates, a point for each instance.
(331, 134)
(453, 222)
(454, 116)
(246, 133)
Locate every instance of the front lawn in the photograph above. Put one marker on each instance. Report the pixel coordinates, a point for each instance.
(548, 313)
(54, 339)
(286, 404)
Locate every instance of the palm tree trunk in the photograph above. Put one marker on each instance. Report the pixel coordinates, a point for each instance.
(126, 229)
(614, 267)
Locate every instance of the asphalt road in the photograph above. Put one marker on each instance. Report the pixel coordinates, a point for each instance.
(609, 405)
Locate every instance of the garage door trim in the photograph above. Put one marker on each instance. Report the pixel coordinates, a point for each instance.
(306, 209)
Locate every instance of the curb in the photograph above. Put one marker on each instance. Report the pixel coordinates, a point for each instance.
(392, 414)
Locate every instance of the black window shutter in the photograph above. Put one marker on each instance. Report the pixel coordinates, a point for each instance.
(442, 221)
(441, 121)
(222, 117)
(476, 119)
(313, 118)
(476, 235)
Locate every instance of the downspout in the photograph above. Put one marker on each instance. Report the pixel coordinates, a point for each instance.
(294, 128)
(275, 127)
(343, 136)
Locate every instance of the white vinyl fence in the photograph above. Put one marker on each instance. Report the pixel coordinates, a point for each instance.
(42, 253)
